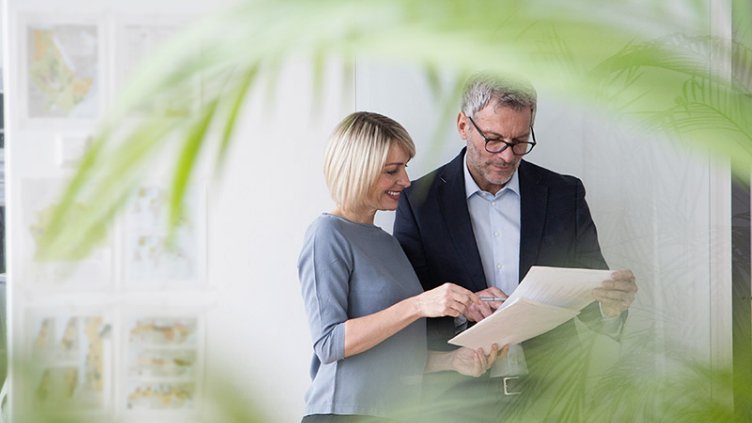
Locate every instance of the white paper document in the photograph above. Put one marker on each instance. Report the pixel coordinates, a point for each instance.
(546, 298)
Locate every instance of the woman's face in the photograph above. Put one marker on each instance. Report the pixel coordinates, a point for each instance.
(385, 193)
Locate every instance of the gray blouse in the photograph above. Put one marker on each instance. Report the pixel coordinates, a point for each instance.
(349, 270)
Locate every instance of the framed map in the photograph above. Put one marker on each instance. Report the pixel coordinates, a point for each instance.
(38, 200)
(71, 357)
(163, 362)
(138, 38)
(153, 257)
(61, 69)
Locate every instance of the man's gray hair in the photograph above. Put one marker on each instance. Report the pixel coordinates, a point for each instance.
(482, 89)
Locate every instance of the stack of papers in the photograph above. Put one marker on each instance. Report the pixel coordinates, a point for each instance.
(546, 298)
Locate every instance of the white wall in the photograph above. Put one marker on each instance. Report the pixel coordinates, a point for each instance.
(256, 335)
(654, 204)
(271, 190)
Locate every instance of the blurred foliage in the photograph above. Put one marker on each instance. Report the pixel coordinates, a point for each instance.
(612, 56)
(575, 382)
(693, 83)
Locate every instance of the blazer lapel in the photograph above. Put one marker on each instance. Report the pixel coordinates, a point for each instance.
(533, 199)
(453, 204)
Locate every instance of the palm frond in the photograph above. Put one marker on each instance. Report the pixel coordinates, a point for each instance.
(707, 112)
(551, 42)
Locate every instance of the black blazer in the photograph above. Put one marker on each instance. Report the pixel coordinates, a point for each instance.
(433, 226)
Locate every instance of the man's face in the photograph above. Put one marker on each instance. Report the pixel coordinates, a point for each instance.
(491, 171)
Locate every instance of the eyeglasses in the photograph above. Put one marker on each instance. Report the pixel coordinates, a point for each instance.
(497, 145)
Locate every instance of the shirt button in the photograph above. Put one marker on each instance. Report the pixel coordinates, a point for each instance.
(498, 266)
(496, 234)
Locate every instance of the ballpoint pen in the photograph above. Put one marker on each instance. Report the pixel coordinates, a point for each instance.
(493, 298)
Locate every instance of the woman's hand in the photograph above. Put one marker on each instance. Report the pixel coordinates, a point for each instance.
(482, 309)
(475, 362)
(447, 300)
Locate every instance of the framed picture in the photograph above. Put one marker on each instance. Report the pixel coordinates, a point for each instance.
(163, 362)
(71, 359)
(155, 258)
(61, 70)
(138, 39)
(39, 197)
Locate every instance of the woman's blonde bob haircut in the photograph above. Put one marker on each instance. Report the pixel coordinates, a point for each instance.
(356, 155)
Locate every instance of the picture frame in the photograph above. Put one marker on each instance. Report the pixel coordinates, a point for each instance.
(152, 257)
(93, 272)
(163, 361)
(71, 353)
(136, 39)
(62, 71)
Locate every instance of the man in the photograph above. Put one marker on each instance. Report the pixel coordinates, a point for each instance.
(481, 221)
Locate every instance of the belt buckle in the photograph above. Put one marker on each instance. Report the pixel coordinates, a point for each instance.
(506, 388)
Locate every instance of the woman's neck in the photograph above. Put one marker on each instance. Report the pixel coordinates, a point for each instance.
(359, 216)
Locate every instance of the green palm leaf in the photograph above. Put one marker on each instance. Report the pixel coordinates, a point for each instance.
(553, 43)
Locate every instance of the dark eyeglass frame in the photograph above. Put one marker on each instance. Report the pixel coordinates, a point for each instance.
(506, 144)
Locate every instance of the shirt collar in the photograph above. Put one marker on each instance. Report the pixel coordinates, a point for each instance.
(471, 187)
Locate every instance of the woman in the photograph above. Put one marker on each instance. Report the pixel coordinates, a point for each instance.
(365, 305)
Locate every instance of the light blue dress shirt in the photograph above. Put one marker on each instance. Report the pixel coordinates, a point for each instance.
(496, 224)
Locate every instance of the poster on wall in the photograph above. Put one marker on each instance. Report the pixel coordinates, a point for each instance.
(137, 41)
(154, 257)
(61, 69)
(93, 271)
(163, 362)
(71, 358)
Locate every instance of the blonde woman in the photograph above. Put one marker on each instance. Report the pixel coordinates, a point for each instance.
(366, 308)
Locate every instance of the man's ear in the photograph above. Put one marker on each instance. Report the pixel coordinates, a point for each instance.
(462, 128)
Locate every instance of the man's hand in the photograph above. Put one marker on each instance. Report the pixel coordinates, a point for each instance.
(479, 310)
(474, 363)
(616, 294)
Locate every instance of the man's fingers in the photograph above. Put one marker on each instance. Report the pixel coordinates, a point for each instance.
(619, 285)
(613, 302)
(484, 309)
(493, 354)
(610, 294)
(474, 313)
(494, 292)
(607, 294)
(604, 292)
(623, 275)
(460, 307)
(481, 359)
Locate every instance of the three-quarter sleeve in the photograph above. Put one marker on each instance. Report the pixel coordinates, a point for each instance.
(324, 269)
